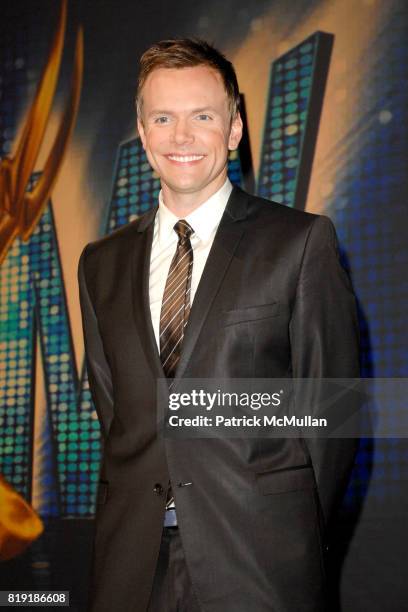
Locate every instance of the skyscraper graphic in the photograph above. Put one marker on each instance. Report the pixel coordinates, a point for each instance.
(294, 103)
(17, 368)
(60, 377)
(135, 186)
(34, 305)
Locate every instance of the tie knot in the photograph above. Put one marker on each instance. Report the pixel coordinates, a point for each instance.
(183, 229)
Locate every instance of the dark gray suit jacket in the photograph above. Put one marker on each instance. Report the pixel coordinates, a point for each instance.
(273, 302)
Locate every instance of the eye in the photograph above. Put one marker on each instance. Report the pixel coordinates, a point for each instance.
(204, 117)
(161, 120)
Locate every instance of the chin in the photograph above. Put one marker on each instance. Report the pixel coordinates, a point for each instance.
(185, 187)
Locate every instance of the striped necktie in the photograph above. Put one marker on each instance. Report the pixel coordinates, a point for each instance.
(175, 310)
(175, 307)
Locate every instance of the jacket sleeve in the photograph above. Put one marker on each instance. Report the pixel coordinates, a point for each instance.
(99, 375)
(325, 344)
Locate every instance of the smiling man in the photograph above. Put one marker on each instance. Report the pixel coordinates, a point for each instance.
(187, 127)
(211, 283)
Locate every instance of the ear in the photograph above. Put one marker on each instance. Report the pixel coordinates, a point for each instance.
(235, 133)
(141, 131)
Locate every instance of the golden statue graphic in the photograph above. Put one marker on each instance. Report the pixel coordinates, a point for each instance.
(19, 523)
(20, 212)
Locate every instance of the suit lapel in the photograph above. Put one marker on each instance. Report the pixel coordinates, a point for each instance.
(140, 293)
(225, 243)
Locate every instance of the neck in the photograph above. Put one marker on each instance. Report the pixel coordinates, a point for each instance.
(182, 204)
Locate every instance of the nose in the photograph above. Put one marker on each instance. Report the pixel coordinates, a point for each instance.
(182, 133)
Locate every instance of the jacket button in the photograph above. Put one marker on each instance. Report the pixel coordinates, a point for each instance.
(158, 489)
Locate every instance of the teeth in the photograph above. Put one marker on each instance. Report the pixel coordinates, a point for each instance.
(185, 158)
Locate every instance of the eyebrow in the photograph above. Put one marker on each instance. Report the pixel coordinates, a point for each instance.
(192, 112)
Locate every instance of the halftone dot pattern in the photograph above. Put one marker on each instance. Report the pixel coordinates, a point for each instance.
(368, 205)
(292, 118)
(49, 305)
(16, 368)
(33, 302)
(287, 111)
(135, 187)
(70, 425)
(235, 174)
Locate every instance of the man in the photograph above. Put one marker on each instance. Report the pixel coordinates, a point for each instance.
(212, 283)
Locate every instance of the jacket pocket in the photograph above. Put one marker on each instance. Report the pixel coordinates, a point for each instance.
(284, 481)
(251, 313)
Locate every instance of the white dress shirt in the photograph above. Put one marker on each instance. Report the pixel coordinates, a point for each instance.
(204, 220)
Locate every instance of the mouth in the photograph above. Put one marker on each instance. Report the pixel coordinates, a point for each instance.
(184, 159)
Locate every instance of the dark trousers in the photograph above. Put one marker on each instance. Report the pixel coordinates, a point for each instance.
(172, 589)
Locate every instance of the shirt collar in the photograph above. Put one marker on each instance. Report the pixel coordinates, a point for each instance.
(203, 219)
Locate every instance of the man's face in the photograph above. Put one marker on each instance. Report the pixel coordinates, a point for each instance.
(186, 129)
